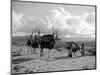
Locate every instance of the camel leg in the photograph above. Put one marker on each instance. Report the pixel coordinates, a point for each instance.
(70, 53)
(31, 50)
(74, 53)
(34, 50)
(41, 53)
(28, 50)
(48, 53)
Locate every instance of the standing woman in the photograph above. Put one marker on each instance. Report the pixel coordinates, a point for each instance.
(82, 50)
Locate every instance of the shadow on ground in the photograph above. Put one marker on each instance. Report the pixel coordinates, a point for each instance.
(20, 60)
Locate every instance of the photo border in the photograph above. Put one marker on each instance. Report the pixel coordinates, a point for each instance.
(57, 4)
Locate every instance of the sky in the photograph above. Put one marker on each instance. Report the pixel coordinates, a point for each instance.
(69, 20)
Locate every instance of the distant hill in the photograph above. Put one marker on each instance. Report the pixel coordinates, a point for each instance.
(23, 35)
(21, 40)
(78, 39)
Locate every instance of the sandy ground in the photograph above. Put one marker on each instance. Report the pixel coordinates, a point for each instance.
(58, 61)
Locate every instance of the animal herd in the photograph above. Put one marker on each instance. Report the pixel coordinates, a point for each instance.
(48, 41)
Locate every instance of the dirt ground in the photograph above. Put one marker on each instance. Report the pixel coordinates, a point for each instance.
(28, 62)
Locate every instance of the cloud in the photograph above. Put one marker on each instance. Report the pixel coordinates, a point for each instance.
(58, 18)
(17, 21)
(87, 24)
(72, 21)
(72, 25)
(89, 17)
(23, 23)
(69, 25)
(31, 25)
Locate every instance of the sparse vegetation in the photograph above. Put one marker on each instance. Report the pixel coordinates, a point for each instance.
(17, 68)
(28, 71)
(59, 55)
